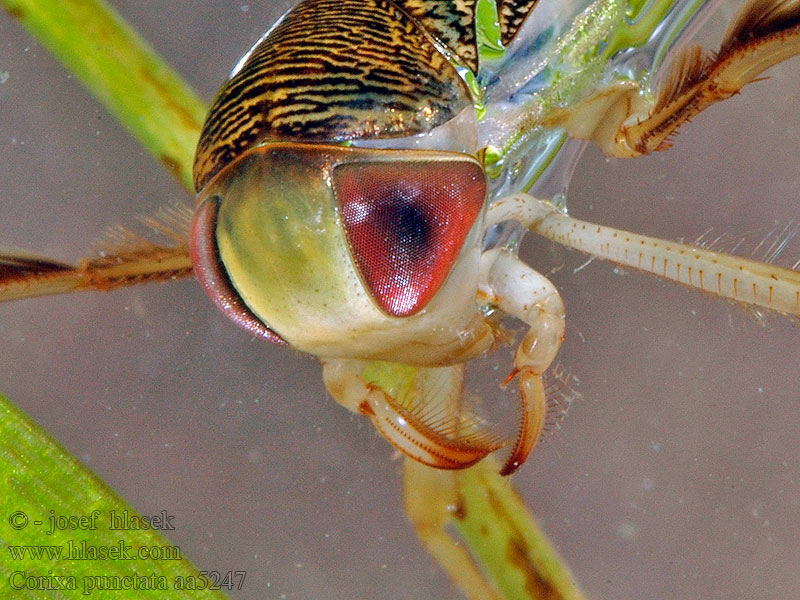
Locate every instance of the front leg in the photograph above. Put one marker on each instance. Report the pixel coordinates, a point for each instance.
(519, 291)
(416, 409)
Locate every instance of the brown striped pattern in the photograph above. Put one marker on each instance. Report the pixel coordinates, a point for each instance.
(512, 14)
(451, 22)
(333, 70)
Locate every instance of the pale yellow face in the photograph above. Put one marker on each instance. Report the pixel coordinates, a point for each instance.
(359, 253)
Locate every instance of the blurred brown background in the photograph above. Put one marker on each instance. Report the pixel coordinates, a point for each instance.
(676, 476)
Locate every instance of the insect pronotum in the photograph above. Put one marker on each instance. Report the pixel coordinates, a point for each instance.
(676, 477)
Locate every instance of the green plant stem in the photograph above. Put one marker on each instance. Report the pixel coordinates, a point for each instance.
(123, 72)
(45, 489)
(493, 517)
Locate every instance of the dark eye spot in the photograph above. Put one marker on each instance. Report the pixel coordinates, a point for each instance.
(412, 227)
(407, 227)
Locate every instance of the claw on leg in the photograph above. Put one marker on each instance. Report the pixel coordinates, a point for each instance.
(428, 443)
(416, 409)
(519, 291)
(534, 413)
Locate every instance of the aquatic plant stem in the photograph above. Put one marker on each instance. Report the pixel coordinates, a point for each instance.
(124, 74)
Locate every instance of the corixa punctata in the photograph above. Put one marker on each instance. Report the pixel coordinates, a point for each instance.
(659, 377)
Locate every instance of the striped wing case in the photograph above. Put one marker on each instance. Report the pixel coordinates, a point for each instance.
(340, 70)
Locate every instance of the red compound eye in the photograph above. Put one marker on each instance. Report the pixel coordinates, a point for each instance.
(406, 222)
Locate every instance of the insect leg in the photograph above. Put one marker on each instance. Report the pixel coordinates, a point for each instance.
(122, 258)
(724, 275)
(626, 124)
(415, 409)
(22, 276)
(518, 290)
